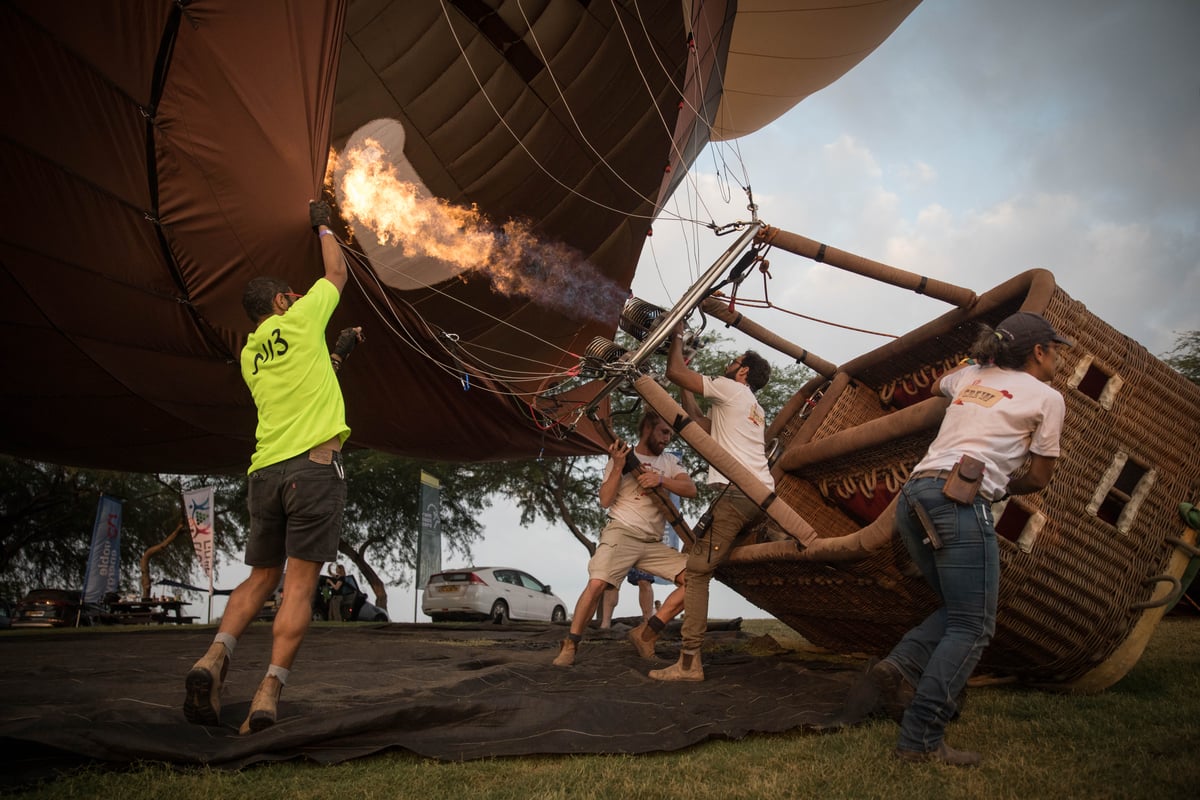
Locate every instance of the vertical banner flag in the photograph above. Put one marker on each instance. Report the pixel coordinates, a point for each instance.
(104, 560)
(198, 505)
(429, 543)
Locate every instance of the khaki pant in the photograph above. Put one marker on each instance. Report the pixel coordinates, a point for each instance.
(732, 513)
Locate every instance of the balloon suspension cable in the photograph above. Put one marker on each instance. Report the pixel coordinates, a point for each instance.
(628, 367)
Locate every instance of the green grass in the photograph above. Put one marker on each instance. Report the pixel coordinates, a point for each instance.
(1137, 740)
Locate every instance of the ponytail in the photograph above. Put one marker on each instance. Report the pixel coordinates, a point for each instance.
(994, 347)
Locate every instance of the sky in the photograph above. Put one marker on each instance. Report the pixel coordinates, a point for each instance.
(980, 140)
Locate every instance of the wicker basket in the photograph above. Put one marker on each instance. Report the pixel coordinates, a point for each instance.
(1080, 561)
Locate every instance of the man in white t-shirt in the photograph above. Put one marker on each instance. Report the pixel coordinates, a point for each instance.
(633, 536)
(738, 424)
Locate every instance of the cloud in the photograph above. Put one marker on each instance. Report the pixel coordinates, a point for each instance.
(917, 173)
(983, 139)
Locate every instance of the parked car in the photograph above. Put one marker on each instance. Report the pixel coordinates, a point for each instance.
(366, 611)
(357, 610)
(496, 593)
(56, 608)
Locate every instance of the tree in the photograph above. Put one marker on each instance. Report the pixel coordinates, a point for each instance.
(1185, 356)
(47, 512)
(557, 490)
(382, 517)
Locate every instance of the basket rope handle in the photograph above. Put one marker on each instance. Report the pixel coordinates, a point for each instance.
(1186, 547)
(1171, 597)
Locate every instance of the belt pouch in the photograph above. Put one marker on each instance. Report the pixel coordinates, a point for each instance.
(965, 479)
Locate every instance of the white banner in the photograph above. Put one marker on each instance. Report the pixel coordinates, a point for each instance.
(198, 505)
(429, 543)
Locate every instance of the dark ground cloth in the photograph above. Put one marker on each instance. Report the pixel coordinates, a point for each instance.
(449, 693)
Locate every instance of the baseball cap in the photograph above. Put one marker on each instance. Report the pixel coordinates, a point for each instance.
(1025, 329)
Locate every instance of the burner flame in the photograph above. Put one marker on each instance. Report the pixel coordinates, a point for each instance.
(399, 213)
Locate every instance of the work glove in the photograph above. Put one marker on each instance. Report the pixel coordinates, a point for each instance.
(319, 214)
(347, 339)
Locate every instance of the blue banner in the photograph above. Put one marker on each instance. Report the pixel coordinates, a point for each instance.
(104, 561)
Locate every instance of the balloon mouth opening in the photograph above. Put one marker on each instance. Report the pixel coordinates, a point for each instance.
(408, 234)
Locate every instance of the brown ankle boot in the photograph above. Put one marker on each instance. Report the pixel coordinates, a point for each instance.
(202, 704)
(566, 654)
(687, 668)
(643, 638)
(264, 706)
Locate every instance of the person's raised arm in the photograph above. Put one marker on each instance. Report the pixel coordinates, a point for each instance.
(687, 399)
(678, 372)
(331, 252)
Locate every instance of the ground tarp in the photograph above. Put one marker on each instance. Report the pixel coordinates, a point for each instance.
(443, 692)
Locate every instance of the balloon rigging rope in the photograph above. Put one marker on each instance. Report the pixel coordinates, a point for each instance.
(482, 368)
(719, 148)
(567, 105)
(454, 370)
(660, 209)
(456, 363)
(701, 111)
(701, 114)
(692, 248)
(521, 143)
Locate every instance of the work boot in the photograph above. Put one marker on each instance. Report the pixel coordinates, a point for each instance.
(263, 706)
(566, 654)
(687, 668)
(643, 638)
(895, 692)
(202, 705)
(943, 755)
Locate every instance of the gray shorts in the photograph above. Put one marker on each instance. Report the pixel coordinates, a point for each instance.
(295, 511)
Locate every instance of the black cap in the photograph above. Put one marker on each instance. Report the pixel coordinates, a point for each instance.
(1024, 329)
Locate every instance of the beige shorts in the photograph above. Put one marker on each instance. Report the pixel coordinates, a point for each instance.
(622, 547)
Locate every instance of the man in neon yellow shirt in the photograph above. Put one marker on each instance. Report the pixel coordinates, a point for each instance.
(297, 487)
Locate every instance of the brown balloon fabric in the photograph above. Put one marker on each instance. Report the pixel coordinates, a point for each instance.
(447, 693)
(158, 154)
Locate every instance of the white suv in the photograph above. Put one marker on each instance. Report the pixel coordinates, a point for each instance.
(496, 593)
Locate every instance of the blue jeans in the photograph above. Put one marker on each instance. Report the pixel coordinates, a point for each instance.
(939, 655)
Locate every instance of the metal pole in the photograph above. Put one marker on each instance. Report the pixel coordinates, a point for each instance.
(715, 308)
(681, 309)
(417, 565)
(821, 253)
(694, 296)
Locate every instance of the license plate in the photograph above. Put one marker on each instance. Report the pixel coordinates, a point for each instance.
(36, 613)
(447, 588)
